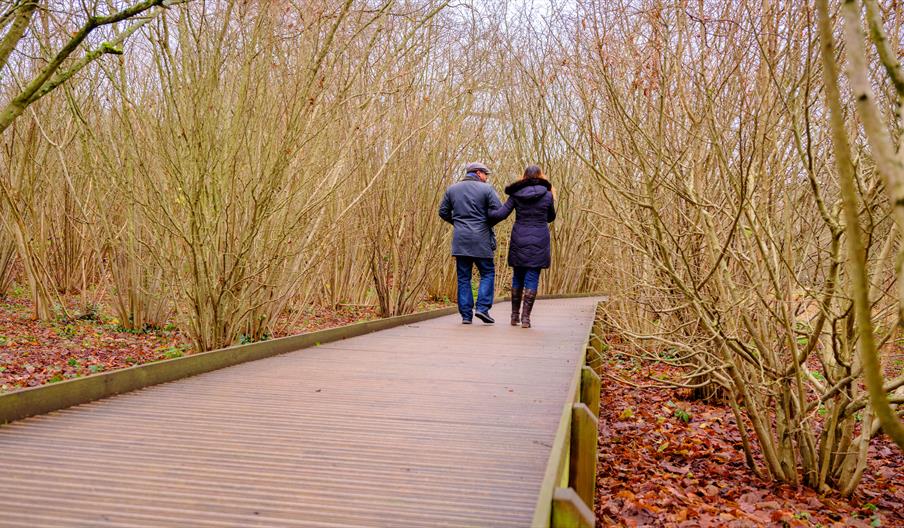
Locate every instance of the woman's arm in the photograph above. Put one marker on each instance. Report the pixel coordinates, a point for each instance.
(499, 214)
(551, 210)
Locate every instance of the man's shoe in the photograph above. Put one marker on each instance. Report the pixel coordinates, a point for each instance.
(485, 317)
(516, 305)
(465, 321)
(529, 297)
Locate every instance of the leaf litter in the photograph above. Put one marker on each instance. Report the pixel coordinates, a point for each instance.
(667, 461)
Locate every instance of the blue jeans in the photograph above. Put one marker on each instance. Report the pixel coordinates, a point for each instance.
(527, 278)
(487, 269)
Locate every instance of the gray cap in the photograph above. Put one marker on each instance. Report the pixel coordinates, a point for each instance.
(477, 166)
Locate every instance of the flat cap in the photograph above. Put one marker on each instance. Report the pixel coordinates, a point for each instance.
(477, 166)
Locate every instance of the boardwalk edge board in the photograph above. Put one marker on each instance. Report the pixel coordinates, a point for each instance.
(570, 476)
(32, 401)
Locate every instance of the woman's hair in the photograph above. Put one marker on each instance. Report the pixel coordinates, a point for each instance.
(533, 171)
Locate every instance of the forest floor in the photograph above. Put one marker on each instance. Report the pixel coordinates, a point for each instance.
(33, 352)
(667, 461)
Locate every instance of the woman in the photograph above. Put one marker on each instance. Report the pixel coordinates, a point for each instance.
(533, 199)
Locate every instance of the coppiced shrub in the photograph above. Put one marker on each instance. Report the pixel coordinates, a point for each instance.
(721, 200)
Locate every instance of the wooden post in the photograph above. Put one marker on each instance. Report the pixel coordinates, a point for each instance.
(582, 463)
(590, 390)
(596, 331)
(594, 360)
(569, 511)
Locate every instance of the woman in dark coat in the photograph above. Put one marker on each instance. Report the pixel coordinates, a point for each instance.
(533, 200)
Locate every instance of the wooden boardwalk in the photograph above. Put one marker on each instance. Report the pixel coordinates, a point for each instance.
(430, 424)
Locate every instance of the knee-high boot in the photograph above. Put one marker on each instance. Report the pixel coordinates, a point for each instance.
(529, 297)
(516, 305)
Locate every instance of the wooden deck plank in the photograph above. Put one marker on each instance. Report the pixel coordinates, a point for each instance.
(429, 424)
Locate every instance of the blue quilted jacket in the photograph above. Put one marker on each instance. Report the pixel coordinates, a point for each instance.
(467, 205)
(534, 208)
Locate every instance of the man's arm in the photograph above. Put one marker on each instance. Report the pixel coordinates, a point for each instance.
(445, 208)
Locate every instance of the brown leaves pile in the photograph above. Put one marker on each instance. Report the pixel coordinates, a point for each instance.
(666, 461)
(33, 353)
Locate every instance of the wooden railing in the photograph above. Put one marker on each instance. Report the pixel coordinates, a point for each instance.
(568, 488)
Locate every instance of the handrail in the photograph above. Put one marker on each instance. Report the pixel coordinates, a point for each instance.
(572, 459)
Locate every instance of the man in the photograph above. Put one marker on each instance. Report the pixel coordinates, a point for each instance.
(466, 205)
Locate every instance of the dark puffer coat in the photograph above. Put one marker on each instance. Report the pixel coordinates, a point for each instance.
(535, 208)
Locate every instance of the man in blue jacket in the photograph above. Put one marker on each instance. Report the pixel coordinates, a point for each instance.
(467, 205)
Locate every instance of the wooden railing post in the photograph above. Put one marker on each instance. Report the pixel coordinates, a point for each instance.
(582, 466)
(590, 390)
(569, 511)
(596, 332)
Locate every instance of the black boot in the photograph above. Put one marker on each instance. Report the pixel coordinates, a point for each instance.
(529, 297)
(516, 305)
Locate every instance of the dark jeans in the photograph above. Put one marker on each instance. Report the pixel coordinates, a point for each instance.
(527, 278)
(487, 269)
